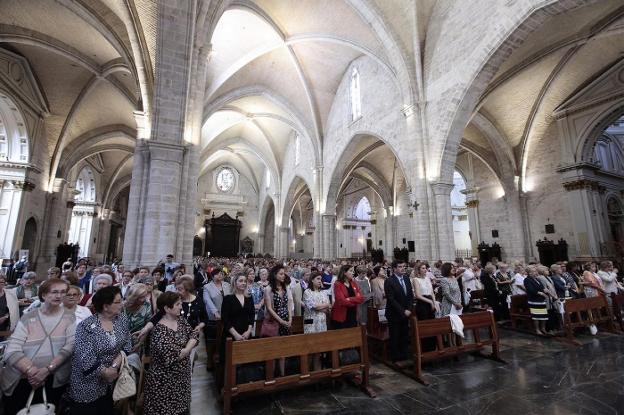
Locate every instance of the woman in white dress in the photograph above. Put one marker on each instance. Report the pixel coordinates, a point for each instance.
(316, 308)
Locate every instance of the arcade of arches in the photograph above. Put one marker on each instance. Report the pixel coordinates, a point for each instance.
(322, 129)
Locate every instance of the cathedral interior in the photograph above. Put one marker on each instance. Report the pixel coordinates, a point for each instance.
(330, 129)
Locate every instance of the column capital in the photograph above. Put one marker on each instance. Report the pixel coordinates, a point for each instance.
(24, 185)
(584, 184)
(441, 188)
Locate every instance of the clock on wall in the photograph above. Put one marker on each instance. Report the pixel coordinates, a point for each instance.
(225, 180)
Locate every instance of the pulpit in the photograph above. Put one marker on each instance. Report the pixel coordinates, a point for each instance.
(222, 236)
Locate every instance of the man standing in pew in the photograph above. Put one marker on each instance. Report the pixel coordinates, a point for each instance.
(399, 299)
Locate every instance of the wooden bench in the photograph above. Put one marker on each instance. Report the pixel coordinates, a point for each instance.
(267, 350)
(477, 302)
(618, 309)
(377, 334)
(519, 311)
(441, 328)
(583, 312)
(295, 328)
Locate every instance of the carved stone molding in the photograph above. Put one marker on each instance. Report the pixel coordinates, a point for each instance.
(472, 203)
(584, 184)
(24, 185)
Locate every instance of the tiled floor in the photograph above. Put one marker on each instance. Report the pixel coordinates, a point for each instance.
(542, 376)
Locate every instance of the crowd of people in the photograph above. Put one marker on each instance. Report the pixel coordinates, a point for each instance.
(74, 331)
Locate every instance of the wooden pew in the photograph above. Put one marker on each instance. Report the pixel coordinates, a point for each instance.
(441, 328)
(377, 334)
(583, 312)
(295, 328)
(477, 301)
(618, 309)
(303, 346)
(519, 311)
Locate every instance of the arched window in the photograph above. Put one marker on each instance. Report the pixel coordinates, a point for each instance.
(297, 149)
(13, 134)
(363, 209)
(85, 184)
(356, 103)
(458, 199)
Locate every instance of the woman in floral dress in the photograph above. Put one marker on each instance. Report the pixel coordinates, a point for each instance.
(317, 305)
(172, 341)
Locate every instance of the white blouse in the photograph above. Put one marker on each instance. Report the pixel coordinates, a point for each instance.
(426, 289)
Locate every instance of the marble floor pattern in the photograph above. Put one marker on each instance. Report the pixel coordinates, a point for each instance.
(541, 377)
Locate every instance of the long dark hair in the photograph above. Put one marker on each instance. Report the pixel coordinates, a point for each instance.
(273, 280)
(342, 275)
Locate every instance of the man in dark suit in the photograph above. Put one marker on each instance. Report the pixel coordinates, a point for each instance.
(201, 276)
(399, 299)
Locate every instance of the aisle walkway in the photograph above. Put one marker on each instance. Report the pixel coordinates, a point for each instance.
(542, 377)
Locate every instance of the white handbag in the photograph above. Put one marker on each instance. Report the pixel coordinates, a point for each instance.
(44, 408)
(125, 386)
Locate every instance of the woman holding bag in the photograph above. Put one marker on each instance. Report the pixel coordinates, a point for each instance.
(278, 319)
(100, 339)
(38, 351)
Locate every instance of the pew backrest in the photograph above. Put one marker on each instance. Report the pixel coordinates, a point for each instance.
(266, 351)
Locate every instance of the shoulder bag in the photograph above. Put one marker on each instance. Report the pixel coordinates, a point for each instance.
(125, 386)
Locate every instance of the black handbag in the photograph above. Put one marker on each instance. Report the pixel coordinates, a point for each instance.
(250, 372)
(349, 356)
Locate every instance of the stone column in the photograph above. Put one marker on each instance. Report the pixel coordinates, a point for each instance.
(446, 243)
(284, 244)
(317, 234)
(473, 223)
(581, 195)
(390, 227)
(259, 243)
(329, 237)
(164, 179)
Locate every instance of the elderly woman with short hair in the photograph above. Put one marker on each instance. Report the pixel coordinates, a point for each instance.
(38, 350)
(137, 307)
(537, 297)
(99, 282)
(26, 291)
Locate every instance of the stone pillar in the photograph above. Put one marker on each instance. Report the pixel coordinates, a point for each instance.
(161, 209)
(285, 243)
(446, 243)
(472, 205)
(587, 229)
(390, 241)
(317, 234)
(10, 201)
(259, 243)
(329, 237)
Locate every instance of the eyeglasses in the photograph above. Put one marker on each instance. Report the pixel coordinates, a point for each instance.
(63, 292)
(72, 295)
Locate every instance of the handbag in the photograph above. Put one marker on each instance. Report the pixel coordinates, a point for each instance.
(44, 408)
(270, 327)
(125, 386)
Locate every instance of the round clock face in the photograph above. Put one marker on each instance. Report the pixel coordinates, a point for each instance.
(225, 180)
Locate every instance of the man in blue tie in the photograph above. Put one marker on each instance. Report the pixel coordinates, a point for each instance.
(399, 297)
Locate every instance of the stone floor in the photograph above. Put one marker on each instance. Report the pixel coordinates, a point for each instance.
(543, 376)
